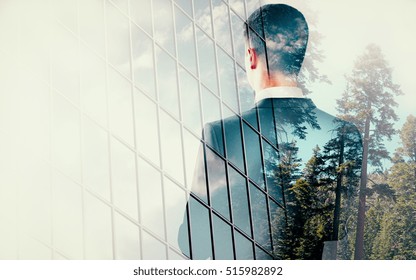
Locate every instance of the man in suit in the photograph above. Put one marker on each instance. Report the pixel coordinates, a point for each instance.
(279, 181)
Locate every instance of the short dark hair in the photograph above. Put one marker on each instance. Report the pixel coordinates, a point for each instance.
(279, 33)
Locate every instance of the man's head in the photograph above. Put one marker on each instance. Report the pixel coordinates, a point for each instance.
(277, 35)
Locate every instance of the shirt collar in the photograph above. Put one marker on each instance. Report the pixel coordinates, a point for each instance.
(279, 92)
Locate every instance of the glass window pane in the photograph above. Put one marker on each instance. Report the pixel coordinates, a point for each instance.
(67, 217)
(66, 137)
(211, 106)
(151, 199)
(167, 82)
(200, 231)
(217, 183)
(65, 63)
(238, 6)
(186, 5)
(183, 235)
(194, 164)
(32, 249)
(34, 103)
(245, 92)
(234, 143)
(267, 124)
(57, 256)
(206, 56)
(238, 27)
(163, 24)
(278, 225)
(253, 155)
(152, 248)
(126, 238)
(121, 4)
(91, 25)
(147, 133)
(8, 242)
(262, 255)
(222, 240)
(227, 80)
(34, 38)
(222, 24)
(34, 202)
(212, 112)
(185, 40)
(93, 85)
(175, 204)
(143, 64)
(172, 159)
(260, 217)
(95, 167)
(271, 171)
(191, 110)
(243, 247)
(98, 229)
(118, 39)
(123, 171)
(252, 5)
(141, 13)
(173, 255)
(203, 15)
(239, 198)
(120, 105)
(66, 12)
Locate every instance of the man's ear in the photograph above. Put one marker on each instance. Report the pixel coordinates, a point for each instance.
(252, 58)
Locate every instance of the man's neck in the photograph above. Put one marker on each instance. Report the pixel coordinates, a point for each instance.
(276, 80)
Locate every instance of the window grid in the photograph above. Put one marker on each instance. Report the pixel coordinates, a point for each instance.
(108, 129)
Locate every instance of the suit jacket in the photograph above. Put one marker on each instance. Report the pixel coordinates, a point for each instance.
(278, 182)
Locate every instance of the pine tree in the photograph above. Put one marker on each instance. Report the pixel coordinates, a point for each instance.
(369, 103)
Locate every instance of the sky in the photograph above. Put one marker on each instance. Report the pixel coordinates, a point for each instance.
(347, 28)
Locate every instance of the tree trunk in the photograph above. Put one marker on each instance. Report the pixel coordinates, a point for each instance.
(337, 209)
(359, 241)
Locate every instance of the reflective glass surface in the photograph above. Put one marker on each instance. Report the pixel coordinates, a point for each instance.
(96, 159)
(141, 14)
(202, 10)
(222, 240)
(243, 247)
(228, 84)
(253, 155)
(147, 127)
(200, 230)
(260, 217)
(222, 24)
(190, 101)
(123, 179)
(120, 106)
(126, 238)
(217, 183)
(167, 82)
(207, 61)
(240, 201)
(118, 39)
(185, 40)
(163, 24)
(172, 152)
(151, 199)
(128, 130)
(98, 229)
(143, 61)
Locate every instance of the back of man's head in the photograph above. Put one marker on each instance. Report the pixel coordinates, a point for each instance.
(285, 32)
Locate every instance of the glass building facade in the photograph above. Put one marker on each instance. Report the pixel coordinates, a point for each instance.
(102, 107)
